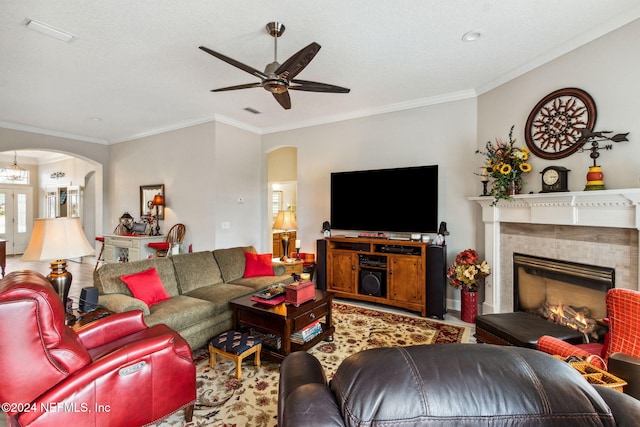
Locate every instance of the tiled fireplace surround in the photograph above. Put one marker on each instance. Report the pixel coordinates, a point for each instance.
(589, 227)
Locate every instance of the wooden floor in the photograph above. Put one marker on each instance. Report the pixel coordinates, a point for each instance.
(82, 272)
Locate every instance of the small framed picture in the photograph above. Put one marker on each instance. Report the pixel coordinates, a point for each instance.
(147, 193)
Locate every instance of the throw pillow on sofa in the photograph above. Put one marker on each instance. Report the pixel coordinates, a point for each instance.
(258, 265)
(146, 286)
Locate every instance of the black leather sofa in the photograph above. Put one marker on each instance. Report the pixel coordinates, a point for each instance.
(447, 385)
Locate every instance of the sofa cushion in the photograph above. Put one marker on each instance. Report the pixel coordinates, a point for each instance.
(231, 261)
(263, 282)
(180, 312)
(257, 265)
(194, 270)
(107, 277)
(220, 294)
(464, 384)
(146, 286)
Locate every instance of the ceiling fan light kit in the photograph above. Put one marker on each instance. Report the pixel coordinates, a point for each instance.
(279, 78)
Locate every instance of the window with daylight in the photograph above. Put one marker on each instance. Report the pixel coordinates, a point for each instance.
(8, 177)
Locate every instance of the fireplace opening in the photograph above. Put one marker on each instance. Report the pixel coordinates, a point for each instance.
(564, 292)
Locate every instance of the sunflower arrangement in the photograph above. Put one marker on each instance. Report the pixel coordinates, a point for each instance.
(505, 164)
(466, 271)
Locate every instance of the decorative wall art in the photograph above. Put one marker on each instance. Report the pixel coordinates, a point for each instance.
(147, 192)
(555, 124)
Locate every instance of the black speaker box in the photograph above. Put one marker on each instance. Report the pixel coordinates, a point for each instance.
(88, 299)
(321, 264)
(436, 286)
(373, 282)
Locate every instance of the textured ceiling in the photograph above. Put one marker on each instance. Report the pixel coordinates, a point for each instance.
(136, 66)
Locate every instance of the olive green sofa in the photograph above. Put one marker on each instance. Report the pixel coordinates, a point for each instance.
(200, 285)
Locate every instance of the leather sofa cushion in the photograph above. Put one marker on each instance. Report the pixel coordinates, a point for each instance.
(447, 385)
(523, 329)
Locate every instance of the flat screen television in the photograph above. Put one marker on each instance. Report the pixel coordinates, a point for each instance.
(402, 200)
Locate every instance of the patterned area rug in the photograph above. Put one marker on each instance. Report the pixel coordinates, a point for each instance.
(252, 400)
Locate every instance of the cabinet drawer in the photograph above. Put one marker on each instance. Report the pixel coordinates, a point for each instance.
(303, 319)
(121, 243)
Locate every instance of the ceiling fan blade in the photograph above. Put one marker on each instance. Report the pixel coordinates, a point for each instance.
(244, 86)
(235, 63)
(309, 86)
(298, 61)
(283, 99)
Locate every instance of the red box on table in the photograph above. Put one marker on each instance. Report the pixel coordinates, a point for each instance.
(300, 292)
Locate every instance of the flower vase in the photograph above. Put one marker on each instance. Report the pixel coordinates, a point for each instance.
(469, 306)
(513, 188)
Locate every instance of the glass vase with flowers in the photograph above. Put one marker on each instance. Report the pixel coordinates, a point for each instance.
(466, 274)
(505, 164)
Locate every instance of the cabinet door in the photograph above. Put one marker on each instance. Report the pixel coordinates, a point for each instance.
(406, 279)
(342, 272)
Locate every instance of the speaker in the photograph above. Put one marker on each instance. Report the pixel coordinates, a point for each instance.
(373, 282)
(436, 286)
(321, 264)
(88, 299)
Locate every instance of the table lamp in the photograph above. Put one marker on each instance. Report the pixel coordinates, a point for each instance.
(56, 240)
(158, 200)
(285, 221)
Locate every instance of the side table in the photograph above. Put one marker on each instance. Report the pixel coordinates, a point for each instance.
(292, 267)
(83, 319)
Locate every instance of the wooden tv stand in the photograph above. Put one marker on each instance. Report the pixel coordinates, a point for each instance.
(399, 265)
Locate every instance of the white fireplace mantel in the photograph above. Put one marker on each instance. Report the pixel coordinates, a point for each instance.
(601, 208)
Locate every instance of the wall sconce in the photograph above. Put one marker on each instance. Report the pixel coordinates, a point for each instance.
(57, 175)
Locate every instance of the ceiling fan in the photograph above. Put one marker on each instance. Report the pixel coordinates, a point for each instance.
(279, 78)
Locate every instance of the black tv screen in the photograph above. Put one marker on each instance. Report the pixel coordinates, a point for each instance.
(403, 200)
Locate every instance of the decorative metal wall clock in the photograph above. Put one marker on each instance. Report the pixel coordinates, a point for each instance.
(554, 126)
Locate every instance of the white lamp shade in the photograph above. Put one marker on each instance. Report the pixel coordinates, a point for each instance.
(57, 238)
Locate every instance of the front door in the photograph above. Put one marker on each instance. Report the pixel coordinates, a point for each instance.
(16, 217)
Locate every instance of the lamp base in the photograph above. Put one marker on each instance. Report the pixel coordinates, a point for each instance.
(60, 279)
(285, 246)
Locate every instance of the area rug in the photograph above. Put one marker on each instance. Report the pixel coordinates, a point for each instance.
(252, 400)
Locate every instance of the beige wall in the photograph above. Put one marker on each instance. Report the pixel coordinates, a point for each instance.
(205, 170)
(606, 69)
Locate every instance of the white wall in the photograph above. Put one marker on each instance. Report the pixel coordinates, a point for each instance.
(441, 134)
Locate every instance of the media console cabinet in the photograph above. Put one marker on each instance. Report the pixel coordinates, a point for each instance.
(399, 273)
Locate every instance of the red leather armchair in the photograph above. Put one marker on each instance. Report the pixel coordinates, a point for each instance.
(114, 371)
(620, 353)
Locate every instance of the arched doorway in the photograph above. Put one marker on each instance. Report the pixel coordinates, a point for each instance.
(61, 185)
(282, 173)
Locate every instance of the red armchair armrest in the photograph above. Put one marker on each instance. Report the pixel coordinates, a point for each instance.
(111, 328)
(133, 363)
(555, 346)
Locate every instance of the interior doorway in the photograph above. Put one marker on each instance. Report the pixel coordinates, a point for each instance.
(282, 171)
(16, 217)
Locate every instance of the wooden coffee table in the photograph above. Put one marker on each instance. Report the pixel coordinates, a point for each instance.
(282, 320)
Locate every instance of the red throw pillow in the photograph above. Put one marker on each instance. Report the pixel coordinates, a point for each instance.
(258, 265)
(146, 286)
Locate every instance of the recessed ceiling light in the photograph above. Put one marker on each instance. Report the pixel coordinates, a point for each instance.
(471, 36)
(47, 29)
(95, 119)
(252, 110)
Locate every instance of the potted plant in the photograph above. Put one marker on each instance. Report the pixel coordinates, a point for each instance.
(466, 273)
(506, 164)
